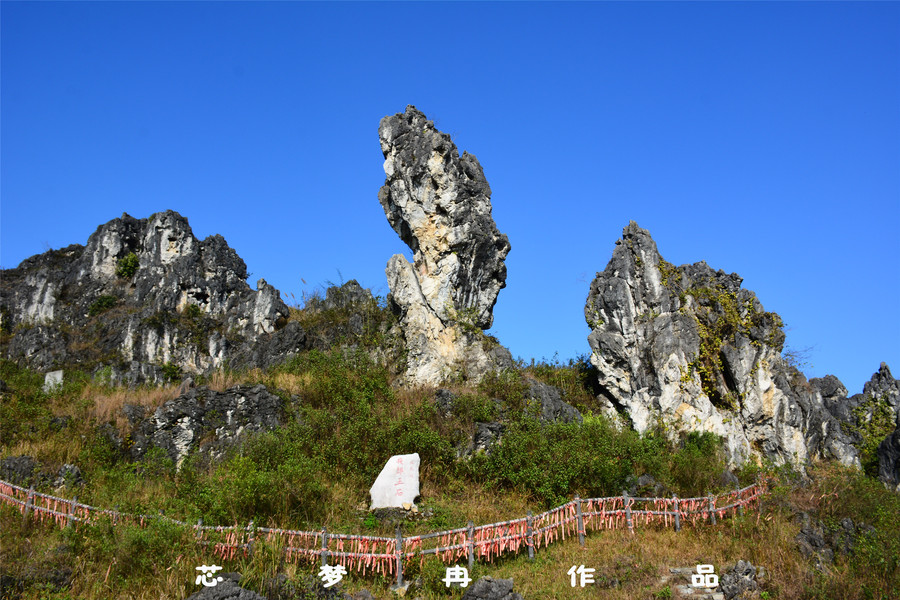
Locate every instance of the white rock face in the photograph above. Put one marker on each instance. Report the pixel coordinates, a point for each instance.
(690, 349)
(398, 482)
(439, 204)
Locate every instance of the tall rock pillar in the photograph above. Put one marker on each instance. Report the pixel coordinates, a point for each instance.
(439, 204)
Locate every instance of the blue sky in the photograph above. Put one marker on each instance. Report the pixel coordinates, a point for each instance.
(763, 138)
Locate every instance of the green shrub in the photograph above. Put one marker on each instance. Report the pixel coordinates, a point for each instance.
(471, 408)
(171, 371)
(697, 465)
(101, 305)
(507, 385)
(127, 266)
(553, 462)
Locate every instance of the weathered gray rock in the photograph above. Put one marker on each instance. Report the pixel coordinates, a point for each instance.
(889, 460)
(19, 470)
(689, 347)
(69, 475)
(226, 590)
(205, 420)
(439, 205)
(552, 406)
(881, 393)
(819, 543)
(143, 293)
(879, 405)
(812, 544)
(488, 588)
(739, 582)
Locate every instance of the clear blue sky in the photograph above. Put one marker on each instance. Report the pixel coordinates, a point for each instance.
(763, 138)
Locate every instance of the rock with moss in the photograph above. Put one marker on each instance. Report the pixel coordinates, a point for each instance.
(688, 348)
(141, 294)
(439, 204)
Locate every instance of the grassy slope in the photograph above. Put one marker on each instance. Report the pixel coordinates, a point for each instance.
(317, 469)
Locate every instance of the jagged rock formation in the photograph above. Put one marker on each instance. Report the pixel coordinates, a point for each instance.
(688, 348)
(204, 420)
(439, 205)
(143, 294)
(889, 460)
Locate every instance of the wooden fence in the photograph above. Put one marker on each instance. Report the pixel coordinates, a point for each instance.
(387, 555)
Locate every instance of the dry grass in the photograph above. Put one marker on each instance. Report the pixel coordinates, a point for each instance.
(292, 383)
(104, 405)
(223, 380)
(52, 452)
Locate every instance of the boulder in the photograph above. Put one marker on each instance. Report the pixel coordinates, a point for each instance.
(225, 590)
(398, 482)
(739, 582)
(19, 470)
(488, 588)
(439, 204)
(689, 347)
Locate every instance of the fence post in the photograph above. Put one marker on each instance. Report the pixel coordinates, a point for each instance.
(712, 509)
(529, 532)
(580, 520)
(29, 503)
(199, 531)
(740, 501)
(70, 520)
(628, 520)
(251, 533)
(399, 557)
(470, 539)
(324, 546)
(677, 513)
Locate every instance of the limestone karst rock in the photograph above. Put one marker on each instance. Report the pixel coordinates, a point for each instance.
(439, 204)
(142, 294)
(688, 347)
(204, 420)
(875, 412)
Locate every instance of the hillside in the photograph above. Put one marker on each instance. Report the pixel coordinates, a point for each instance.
(185, 393)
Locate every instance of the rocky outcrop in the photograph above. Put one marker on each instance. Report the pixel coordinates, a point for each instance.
(439, 204)
(820, 543)
(146, 299)
(889, 460)
(869, 419)
(204, 420)
(689, 348)
(740, 581)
